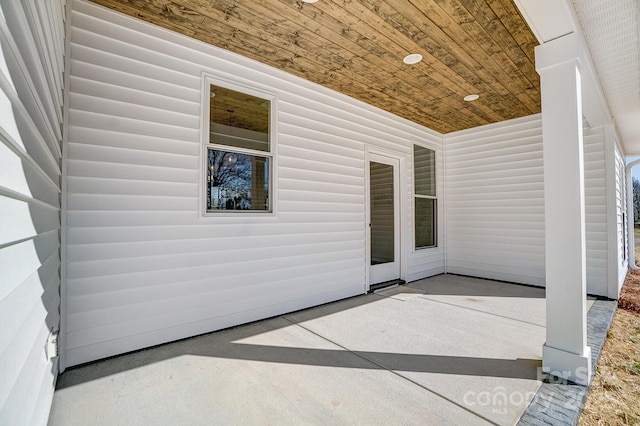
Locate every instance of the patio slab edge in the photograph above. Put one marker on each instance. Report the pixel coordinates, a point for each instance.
(561, 402)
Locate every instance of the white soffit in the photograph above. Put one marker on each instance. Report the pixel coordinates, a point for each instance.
(610, 29)
(548, 19)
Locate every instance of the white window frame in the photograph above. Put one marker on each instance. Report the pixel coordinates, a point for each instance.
(209, 79)
(436, 152)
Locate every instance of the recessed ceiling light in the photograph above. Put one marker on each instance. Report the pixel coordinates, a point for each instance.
(309, 1)
(470, 98)
(414, 58)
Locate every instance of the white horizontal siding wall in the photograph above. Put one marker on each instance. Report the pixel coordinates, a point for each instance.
(31, 62)
(495, 203)
(595, 206)
(143, 266)
(622, 222)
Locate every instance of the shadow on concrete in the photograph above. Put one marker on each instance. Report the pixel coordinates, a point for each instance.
(449, 285)
(227, 344)
(454, 365)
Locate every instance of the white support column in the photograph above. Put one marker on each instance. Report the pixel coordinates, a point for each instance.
(565, 353)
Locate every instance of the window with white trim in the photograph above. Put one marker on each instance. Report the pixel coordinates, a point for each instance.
(239, 159)
(425, 197)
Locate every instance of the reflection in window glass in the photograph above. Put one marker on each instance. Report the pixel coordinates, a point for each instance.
(239, 159)
(238, 119)
(426, 221)
(424, 161)
(382, 220)
(237, 181)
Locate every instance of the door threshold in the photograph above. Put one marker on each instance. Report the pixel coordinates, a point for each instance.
(385, 285)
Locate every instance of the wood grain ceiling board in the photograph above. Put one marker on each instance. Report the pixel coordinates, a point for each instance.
(356, 47)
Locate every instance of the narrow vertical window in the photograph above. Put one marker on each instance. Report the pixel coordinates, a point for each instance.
(238, 155)
(425, 197)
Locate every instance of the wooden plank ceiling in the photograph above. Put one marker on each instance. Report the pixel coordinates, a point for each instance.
(357, 47)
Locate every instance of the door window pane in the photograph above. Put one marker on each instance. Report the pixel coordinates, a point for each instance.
(382, 219)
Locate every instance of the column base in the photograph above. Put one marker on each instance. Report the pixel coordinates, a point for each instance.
(567, 365)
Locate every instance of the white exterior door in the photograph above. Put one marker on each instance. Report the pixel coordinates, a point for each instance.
(384, 218)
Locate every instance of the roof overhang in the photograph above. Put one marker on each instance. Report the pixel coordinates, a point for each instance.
(552, 19)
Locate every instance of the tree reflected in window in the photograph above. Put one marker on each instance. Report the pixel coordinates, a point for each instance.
(237, 181)
(239, 157)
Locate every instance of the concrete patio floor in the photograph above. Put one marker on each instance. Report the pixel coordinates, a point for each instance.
(443, 350)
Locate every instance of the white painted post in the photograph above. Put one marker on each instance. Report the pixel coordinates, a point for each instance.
(565, 353)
